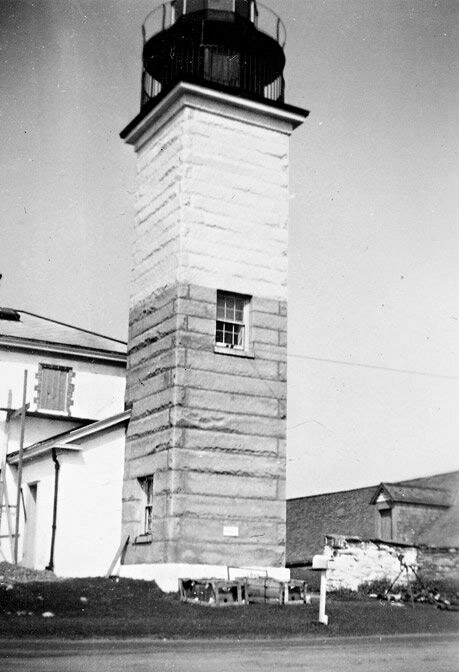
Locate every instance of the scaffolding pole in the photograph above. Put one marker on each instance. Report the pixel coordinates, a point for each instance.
(21, 453)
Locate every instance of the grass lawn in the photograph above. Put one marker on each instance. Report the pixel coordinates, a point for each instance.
(128, 608)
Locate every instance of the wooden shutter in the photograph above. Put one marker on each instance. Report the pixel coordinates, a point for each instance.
(53, 389)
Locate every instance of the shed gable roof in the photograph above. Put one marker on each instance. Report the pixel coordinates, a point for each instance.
(411, 494)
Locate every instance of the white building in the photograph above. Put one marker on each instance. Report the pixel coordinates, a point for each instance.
(74, 431)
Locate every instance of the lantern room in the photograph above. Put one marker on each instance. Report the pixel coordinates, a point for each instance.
(234, 45)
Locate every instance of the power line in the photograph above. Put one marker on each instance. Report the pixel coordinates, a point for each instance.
(72, 326)
(374, 366)
(306, 422)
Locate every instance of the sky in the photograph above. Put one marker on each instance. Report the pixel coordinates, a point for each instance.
(373, 383)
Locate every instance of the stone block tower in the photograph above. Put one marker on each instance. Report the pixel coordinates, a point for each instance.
(204, 484)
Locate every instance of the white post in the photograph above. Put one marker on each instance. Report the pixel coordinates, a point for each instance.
(323, 618)
(320, 563)
(286, 592)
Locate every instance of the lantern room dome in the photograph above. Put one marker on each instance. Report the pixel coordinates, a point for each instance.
(236, 45)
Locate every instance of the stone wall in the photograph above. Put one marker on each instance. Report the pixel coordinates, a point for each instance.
(354, 562)
(210, 427)
(439, 564)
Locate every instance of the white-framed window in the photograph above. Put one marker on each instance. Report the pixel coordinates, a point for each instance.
(54, 388)
(146, 483)
(232, 323)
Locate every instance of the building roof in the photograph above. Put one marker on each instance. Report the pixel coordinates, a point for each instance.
(66, 440)
(349, 513)
(24, 330)
(413, 494)
(309, 519)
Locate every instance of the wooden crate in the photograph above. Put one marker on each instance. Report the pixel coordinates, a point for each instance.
(295, 592)
(212, 592)
(264, 590)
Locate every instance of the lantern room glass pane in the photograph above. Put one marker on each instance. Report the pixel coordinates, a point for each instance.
(221, 5)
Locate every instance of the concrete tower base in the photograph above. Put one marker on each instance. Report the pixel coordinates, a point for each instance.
(166, 575)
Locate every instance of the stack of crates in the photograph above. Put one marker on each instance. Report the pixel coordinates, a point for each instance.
(237, 592)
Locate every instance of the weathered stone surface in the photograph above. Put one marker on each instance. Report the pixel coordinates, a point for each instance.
(146, 465)
(236, 555)
(228, 508)
(437, 564)
(226, 485)
(240, 366)
(154, 359)
(150, 443)
(207, 530)
(211, 214)
(356, 562)
(245, 443)
(154, 403)
(148, 425)
(264, 320)
(219, 382)
(222, 462)
(263, 309)
(156, 332)
(141, 389)
(202, 325)
(195, 308)
(234, 403)
(227, 422)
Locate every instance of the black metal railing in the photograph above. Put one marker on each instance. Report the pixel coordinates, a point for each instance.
(248, 62)
(263, 18)
(219, 66)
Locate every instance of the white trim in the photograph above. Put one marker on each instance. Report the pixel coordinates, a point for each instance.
(78, 351)
(167, 575)
(200, 97)
(68, 446)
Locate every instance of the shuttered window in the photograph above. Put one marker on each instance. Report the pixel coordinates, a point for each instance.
(53, 388)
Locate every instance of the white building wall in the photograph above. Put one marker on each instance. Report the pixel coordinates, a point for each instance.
(99, 388)
(36, 429)
(89, 505)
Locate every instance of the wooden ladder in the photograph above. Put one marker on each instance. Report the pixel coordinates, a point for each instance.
(6, 506)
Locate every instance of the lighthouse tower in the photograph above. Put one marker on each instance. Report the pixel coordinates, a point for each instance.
(204, 480)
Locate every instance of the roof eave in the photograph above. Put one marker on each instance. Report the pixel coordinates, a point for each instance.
(76, 351)
(62, 440)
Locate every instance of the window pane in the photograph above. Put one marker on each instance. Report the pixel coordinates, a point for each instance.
(229, 304)
(223, 5)
(221, 309)
(219, 333)
(148, 519)
(230, 326)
